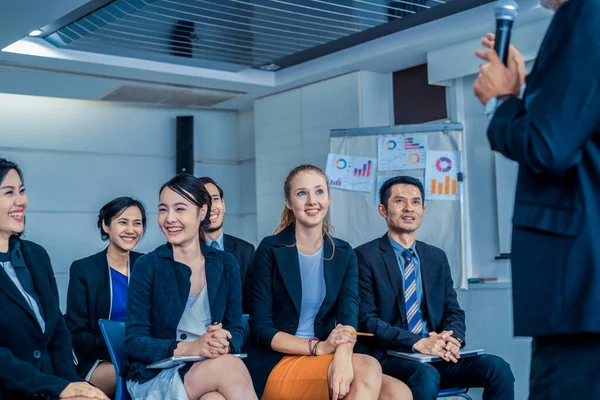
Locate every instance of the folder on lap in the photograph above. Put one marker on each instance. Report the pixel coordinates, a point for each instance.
(427, 358)
(178, 360)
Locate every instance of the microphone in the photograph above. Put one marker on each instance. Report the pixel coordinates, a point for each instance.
(506, 12)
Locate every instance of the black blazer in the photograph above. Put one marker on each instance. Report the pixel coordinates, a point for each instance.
(243, 253)
(554, 135)
(158, 292)
(32, 362)
(89, 299)
(276, 297)
(382, 308)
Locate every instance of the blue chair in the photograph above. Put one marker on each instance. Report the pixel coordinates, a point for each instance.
(456, 392)
(114, 336)
(246, 326)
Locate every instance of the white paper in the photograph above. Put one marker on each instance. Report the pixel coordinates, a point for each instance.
(441, 175)
(402, 152)
(381, 179)
(350, 173)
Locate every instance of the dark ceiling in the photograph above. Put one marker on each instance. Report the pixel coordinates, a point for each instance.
(237, 34)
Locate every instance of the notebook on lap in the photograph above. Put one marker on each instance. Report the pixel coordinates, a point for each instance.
(427, 358)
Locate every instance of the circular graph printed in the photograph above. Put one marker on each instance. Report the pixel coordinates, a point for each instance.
(390, 145)
(341, 163)
(443, 164)
(414, 158)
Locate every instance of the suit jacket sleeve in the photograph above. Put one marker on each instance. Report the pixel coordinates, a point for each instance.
(22, 376)
(388, 336)
(246, 280)
(546, 131)
(232, 320)
(454, 316)
(139, 344)
(261, 297)
(348, 300)
(59, 348)
(78, 322)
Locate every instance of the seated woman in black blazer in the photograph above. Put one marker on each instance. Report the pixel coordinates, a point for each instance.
(185, 299)
(35, 350)
(304, 307)
(98, 289)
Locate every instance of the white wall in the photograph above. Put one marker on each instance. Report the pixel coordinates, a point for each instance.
(77, 155)
(292, 128)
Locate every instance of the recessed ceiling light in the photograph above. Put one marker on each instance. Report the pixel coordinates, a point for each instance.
(37, 32)
(269, 67)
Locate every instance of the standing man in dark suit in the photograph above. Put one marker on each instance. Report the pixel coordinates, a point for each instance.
(408, 301)
(239, 248)
(553, 132)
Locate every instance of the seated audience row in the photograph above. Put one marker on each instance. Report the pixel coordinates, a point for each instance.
(307, 294)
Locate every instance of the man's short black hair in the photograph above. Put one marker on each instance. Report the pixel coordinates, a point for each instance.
(206, 180)
(386, 189)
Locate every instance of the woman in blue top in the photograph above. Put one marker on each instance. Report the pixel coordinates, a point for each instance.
(98, 289)
(185, 300)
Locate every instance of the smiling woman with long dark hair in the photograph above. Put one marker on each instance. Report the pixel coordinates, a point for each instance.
(185, 300)
(98, 289)
(35, 350)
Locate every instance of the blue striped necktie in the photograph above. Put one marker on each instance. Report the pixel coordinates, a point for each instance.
(215, 245)
(413, 314)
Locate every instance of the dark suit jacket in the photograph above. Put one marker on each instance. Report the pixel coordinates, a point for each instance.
(276, 297)
(382, 308)
(159, 288)
(32, 362)
(554, 135)
(243, 253)
(89, 299)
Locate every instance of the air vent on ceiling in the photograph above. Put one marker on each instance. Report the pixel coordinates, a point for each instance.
(171, 96)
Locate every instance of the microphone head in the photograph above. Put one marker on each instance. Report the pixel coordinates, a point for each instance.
(506, 9)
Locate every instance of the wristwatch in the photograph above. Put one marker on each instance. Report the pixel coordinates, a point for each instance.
(460, 341)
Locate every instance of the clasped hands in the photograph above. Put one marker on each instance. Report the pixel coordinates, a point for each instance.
(212, 344)
(440, 344)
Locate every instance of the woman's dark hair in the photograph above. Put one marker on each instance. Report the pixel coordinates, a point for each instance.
(115, 208)
(192, 189)
(5, 167)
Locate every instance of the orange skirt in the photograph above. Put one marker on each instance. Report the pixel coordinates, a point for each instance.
(299, 377)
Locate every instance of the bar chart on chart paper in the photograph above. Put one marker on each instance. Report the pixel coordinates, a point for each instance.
(364, 171)
(350, 173)
(441, 175)
(448, 186)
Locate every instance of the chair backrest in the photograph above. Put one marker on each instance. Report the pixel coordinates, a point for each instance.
(114, 336)
(245, 318)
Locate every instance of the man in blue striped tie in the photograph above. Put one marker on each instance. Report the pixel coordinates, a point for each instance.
(409, 303)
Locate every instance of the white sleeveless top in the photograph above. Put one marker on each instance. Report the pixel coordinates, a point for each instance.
(196, 317)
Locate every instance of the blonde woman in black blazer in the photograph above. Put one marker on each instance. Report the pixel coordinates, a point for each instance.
(35, 353)
(98, 289)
